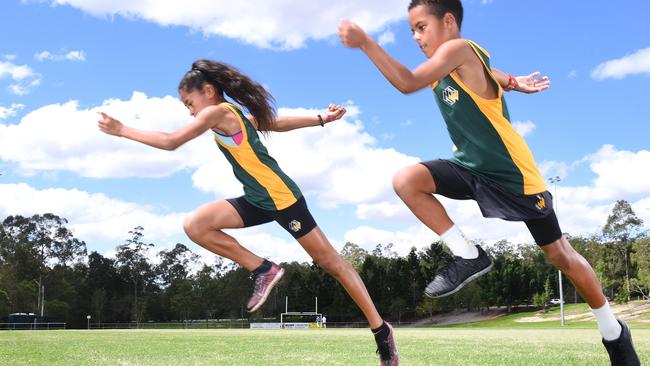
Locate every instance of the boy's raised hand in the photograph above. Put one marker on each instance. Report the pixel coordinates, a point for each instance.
(532, 83)
(334, 112)
(109, 125)
(352, 35)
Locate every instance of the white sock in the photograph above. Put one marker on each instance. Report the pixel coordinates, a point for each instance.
(607, 324)
(458, 244)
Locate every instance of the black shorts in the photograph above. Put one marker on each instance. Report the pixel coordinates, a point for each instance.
(536, 210)
(296, 219)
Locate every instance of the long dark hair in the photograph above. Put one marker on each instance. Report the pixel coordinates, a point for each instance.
(239, 87)
(441, 7)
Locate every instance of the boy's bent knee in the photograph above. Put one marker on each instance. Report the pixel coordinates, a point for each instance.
(411, 178)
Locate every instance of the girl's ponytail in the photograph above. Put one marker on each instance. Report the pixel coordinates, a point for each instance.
(239, 87)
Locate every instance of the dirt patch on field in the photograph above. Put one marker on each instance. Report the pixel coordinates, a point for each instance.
(460, 317)
(626, 312)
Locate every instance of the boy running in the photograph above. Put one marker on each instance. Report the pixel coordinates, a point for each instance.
(492, 163)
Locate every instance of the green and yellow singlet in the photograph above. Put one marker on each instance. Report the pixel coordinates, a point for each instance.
(265, 184)
(485, 141)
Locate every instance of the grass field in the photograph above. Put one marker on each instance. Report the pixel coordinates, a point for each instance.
(418, 346)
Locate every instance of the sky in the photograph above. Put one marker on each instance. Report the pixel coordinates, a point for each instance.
(62, 61)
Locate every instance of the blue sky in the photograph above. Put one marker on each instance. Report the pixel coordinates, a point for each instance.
(63, 60)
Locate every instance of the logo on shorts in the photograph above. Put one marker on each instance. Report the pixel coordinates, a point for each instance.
(450, 95)
(295, 226)
(541, 203)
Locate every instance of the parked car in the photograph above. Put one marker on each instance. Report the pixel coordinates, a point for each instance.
(555, 302)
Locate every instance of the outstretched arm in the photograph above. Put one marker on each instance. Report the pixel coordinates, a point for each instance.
(526, 84)
(160, 140)
(447, 58)
(288, 123)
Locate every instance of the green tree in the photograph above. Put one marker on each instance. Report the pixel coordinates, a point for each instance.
(5, 304)
(623, 227)
(642, 261)
(134, 265)
(354, 254)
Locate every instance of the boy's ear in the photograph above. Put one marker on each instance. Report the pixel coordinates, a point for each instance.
(449, 20)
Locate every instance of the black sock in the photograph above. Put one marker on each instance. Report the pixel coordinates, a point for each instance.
(382, 332)
(264, 267)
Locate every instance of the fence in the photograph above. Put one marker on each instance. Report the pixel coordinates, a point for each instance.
(32, 326)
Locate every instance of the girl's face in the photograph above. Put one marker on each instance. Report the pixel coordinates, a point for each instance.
(429, 31)
(197, 100)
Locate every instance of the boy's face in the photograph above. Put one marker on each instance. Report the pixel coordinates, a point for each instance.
(428, 30)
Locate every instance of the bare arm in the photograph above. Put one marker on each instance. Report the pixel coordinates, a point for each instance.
(526, 84)
(447, 58)
(288, 123)
(163, 140)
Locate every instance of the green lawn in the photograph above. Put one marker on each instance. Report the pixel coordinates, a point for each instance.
(421, 346)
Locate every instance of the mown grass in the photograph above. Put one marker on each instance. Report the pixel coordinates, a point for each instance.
(421, 346)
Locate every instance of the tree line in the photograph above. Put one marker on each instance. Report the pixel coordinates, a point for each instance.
(45, 269)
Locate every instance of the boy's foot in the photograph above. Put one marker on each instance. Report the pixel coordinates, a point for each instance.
(386, 346)
(621, 351)
(458, 273)
(262, 285)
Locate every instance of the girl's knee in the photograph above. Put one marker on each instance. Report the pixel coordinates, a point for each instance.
(332, 264)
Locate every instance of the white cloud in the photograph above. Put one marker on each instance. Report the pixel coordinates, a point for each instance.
(9, 57)
(23, 76)
(386, 38)
(92, 216)
(64, 137)
(97, 218)
(70, 56)
(281, 23)
(621, 173)
(338, 164)
(523, 128)
(7, 112)
(636, 63)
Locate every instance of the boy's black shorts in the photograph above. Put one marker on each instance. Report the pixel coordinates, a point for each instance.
(536, 210)
(296, 219)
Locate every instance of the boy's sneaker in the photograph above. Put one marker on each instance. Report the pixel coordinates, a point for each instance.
(387, 348)
(262, 285)
(458, 273)
(621, 351)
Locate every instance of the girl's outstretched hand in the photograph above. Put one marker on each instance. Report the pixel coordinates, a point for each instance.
(352, 35)
(532, 83)
(109, 125)
(334, 112)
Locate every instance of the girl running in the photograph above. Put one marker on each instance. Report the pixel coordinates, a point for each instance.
(269, 194)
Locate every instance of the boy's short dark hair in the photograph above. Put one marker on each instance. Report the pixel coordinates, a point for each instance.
(441, 7)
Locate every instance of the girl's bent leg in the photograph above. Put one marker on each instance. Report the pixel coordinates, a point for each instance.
(204, 226)
(320, 249)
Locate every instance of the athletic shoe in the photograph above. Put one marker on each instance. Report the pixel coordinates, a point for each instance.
(387, 349)
(262, 285)
(458, 273)
(621, 351)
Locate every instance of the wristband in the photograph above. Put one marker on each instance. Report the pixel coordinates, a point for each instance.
(512, 84)
(320, 120)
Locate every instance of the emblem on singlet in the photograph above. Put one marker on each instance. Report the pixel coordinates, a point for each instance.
(295, 226)
(450, 95)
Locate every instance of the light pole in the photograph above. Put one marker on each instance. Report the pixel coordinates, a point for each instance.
(88, 319)
(555, 180)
